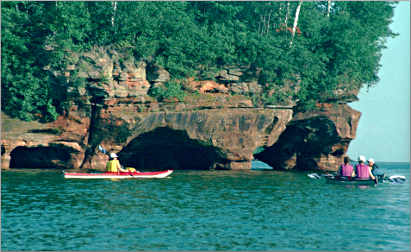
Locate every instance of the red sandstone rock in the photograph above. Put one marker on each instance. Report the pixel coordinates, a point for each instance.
(208, 131)
(206, 86)
(314, 140)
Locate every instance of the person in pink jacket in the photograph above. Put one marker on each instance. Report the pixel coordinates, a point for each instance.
(362, 170)
(346, 169)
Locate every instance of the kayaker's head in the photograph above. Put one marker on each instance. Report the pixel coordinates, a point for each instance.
(371, 161)
(346, 160)
(361, 159)
(113, 155)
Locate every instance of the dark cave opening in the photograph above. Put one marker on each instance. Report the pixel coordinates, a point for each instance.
(56, 157)
(257, 164)
(165, 148)
(302, 143)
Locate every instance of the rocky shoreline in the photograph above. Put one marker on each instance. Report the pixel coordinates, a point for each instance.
(216, 127)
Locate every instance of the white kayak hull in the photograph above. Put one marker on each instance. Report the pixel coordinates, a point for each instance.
(123, 175)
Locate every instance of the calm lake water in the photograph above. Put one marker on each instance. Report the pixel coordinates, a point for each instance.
(203, 210)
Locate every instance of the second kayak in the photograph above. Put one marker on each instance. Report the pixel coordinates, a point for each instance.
(349, 180)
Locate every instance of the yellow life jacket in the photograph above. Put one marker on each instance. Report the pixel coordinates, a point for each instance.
(113, 165)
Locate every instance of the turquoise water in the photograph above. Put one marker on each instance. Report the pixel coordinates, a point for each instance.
(203, 210)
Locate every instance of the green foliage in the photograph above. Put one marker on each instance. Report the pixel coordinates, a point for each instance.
(276, 98)
(170, 90)
(37, 37)
(190, 39)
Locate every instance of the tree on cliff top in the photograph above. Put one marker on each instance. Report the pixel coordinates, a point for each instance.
(332, 45)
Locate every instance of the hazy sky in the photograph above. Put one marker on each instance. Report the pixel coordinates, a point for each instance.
(384, 128)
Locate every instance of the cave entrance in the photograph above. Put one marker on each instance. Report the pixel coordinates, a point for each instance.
(257, 164)
(56, 157)
(283, 154)
(165, 148)
(302, 145)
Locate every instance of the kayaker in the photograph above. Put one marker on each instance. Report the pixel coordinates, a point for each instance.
(375, 170)
(113, 165)
(346, 169)
(362, 170)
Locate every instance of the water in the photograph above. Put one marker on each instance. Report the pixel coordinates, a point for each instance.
(203, 210)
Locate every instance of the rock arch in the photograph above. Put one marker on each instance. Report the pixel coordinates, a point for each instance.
(166, 148)
(307, 145)
(235, 132)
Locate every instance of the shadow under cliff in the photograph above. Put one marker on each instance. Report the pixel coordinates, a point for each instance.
(306, 145)
(51, 157)
(164, 148)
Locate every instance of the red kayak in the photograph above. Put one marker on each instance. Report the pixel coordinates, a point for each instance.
(120, 175)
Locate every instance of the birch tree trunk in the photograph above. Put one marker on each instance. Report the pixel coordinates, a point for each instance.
(280, 9)
(114, 4)
(329, 8)
(297, 13)
(268, 24)
(286, 14)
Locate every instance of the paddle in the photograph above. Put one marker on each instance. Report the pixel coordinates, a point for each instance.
(103, 150)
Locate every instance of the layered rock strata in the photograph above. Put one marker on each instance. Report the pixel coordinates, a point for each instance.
(219, 128)
(315, 140)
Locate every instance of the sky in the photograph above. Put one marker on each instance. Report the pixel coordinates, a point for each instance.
(383, 132)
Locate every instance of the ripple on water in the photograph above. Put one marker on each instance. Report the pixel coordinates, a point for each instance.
(192, 210)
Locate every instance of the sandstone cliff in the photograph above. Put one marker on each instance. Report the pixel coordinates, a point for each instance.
(217, 127)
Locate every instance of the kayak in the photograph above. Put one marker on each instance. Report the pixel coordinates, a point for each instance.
(349, 180)
(120, 175)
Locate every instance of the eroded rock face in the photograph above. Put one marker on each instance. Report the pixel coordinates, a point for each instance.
(179, 138)
(227, 136)
(59, 145)
(219, 132)
(315, 140)
(110, 73)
